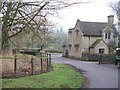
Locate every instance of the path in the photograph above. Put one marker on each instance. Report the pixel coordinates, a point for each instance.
(98, 76)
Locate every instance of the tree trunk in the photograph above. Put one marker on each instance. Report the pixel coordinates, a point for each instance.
(5, 32)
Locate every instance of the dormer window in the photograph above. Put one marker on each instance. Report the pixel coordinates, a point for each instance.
(105, 35)
(108, 35)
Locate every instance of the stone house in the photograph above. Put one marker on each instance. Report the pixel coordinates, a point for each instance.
(91, 37)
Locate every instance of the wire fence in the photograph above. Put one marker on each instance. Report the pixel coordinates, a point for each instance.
(22, 66)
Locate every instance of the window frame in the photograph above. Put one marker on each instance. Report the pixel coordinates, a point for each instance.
(101, 50)
(70, 47)
(107, 35)
(76, 49)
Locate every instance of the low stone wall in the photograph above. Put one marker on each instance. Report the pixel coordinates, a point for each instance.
(102, 58)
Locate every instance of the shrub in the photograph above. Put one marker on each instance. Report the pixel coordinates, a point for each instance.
(53, 51)
(103, 58)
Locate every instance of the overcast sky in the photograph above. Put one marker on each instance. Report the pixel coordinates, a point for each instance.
(97, 11)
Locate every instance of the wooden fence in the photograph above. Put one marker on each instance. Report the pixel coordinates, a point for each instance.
(43, 62)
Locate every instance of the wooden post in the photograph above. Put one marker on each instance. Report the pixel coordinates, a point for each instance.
(47, 62)
(32, 66)
(50, 61)
(15, 66)
(41, 65)
(43, 56)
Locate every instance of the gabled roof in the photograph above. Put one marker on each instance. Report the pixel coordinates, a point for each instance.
(96, 43)
(93, 28)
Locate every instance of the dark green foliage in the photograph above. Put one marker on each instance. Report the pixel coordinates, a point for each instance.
(103, 58)
(53, 51)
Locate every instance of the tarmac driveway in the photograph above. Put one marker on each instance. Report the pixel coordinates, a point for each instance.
(98, 76)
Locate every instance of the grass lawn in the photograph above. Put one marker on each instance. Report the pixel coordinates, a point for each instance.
(62, 76)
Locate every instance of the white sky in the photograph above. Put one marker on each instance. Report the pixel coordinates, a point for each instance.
(94, 12)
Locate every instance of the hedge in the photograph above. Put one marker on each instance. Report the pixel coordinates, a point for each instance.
(103, 58)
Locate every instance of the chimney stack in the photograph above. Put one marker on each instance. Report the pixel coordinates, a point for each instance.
(110, 20)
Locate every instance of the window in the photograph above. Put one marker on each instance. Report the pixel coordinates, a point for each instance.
(76, 48)
(70, 49)
(101, 50)
(70, 46)
(107, 35)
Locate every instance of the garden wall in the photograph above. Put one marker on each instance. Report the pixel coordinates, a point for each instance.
(102, 58)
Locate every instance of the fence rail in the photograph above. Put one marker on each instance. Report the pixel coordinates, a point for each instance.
(43, 62)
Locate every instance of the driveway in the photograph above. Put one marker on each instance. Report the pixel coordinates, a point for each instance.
(98, 76)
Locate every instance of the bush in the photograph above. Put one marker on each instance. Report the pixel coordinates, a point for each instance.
(103, 58)
(53, 51)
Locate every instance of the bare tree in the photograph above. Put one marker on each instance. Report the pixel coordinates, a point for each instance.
(116, 8)
(17, 17)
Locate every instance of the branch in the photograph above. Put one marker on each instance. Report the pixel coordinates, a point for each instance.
(15, 13)
(26, 15)
(36, 35)
(29, 21)
(13, 43)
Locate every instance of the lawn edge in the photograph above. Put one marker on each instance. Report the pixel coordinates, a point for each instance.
(85, 79)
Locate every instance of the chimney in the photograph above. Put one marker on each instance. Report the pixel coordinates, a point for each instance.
(110, 20)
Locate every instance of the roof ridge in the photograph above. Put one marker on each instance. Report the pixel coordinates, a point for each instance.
(94, 22)
(92, 28)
